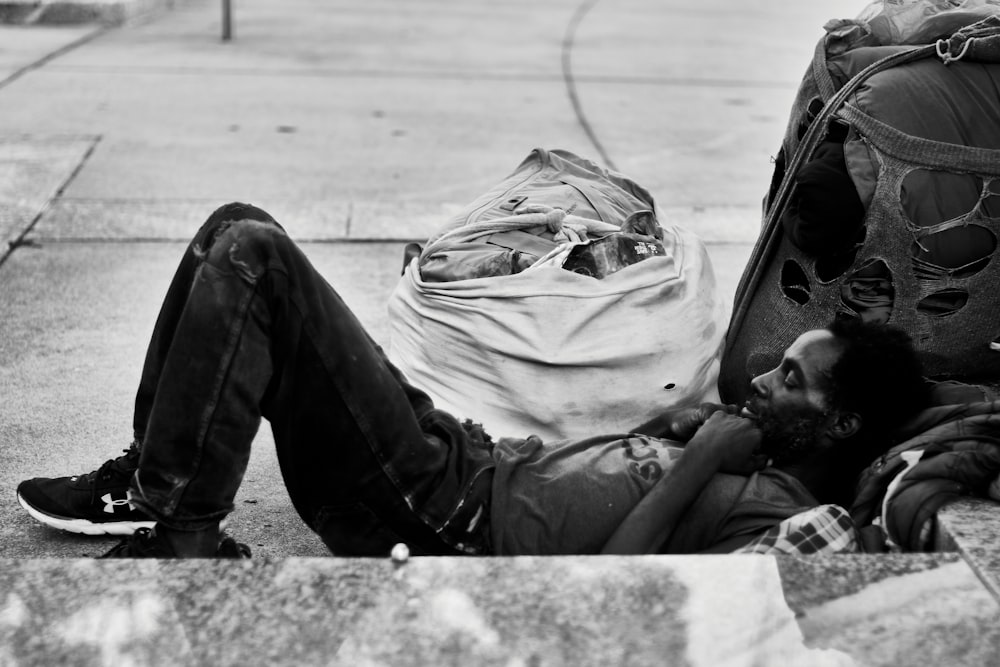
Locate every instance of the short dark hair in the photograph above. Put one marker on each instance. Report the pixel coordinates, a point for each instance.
(878, 375)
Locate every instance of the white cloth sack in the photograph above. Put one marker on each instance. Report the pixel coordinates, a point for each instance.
(559, 355)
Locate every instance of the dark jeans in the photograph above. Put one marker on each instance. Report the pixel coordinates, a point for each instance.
(249, 329)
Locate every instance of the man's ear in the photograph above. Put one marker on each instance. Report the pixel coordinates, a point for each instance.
(844, 425)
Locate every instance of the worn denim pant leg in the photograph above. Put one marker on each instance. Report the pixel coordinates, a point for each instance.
(250, 329)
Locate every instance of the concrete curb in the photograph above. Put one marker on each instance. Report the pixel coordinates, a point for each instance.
(72, 12)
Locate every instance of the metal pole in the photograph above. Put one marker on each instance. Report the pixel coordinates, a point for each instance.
(227, 20)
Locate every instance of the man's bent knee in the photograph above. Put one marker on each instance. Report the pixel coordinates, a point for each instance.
(243, 246)
(227, 213)
(234, 211)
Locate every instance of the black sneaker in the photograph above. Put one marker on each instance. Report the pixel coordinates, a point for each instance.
(93, 504)
(230, 548)
(145, 543)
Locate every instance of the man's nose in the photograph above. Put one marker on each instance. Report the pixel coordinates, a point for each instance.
(759, 385)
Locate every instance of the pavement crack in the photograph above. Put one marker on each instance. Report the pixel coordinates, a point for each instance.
(23, 243)
(49, 57)
(617, 79)
(22, 240)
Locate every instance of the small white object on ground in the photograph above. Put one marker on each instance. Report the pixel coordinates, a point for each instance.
(400, 554)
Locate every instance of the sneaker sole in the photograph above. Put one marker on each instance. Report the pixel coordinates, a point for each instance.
(82, 526)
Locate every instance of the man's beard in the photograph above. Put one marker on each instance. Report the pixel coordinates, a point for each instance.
(791, 437)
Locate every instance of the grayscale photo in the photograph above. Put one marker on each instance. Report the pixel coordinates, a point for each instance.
(506, 333)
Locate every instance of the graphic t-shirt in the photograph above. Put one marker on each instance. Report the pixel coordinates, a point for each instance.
(733, 506)
(568, 497)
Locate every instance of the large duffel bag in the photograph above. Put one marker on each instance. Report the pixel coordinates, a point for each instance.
(914, 131)
(538, 349)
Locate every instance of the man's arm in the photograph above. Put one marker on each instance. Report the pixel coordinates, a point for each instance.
(725, 443)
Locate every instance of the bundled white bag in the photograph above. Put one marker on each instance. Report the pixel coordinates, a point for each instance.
(557, 354)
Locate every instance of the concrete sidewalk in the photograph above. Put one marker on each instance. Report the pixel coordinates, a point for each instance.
(359, 124)
(366, 122)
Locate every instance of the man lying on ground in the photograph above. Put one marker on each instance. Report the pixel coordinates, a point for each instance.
(248, 328)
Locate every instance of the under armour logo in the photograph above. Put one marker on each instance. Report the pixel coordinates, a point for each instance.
(110, 505)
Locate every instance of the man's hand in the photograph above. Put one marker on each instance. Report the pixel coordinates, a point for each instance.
(683, 423)
(724, 443)
(730, 442)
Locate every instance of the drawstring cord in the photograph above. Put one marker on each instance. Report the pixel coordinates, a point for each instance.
(567, 229)
(943, 48)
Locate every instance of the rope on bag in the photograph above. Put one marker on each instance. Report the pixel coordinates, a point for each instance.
(565, 227)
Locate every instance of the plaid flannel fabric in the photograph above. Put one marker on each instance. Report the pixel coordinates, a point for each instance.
(826, 529)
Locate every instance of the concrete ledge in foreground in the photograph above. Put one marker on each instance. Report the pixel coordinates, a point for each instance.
(971, 526)
(656, 610)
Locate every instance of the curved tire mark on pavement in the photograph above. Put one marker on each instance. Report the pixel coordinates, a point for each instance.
(567, 71)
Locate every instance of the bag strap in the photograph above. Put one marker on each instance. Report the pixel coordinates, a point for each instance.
(821, 73)
(919, 151)
(770, 236)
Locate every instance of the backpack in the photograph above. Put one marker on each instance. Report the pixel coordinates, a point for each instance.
(915, 133)
(537, 347)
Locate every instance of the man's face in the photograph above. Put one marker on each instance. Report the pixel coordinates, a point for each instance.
(790, 402)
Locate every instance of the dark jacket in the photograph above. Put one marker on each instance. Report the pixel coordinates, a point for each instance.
(952, 450)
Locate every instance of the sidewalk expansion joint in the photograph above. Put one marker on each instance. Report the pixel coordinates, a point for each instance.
(437, 75)
(22, 240)
(49, 57)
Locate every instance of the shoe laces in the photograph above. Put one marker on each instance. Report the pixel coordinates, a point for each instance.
(122, 465)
